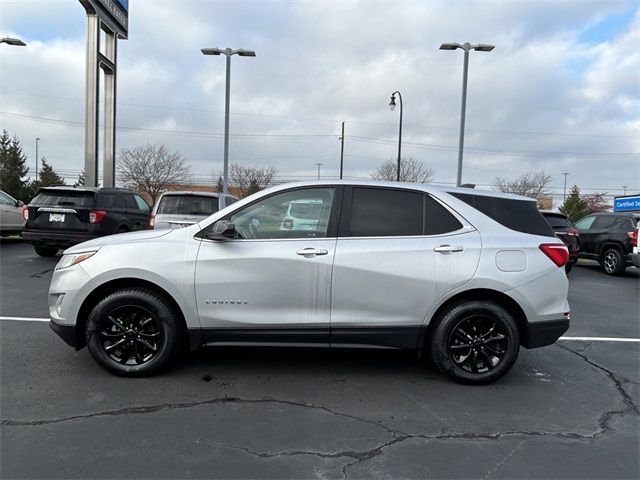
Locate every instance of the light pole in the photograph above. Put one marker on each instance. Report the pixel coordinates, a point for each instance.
(37, 140)
(481, 47)
(624, 188)
(319, 165)
(392, 106)
(564, 193)
(16, 42)
(228, 52)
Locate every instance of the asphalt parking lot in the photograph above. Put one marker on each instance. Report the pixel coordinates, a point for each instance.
(570, 410)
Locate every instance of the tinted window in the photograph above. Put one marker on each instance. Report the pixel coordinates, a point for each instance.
(438, 219)
(378, 212)
(272, 218)
(187, 205)
(229, 200)
(64, 197)
(605, 222)
(110, 200)
(585, 223)
(519, 215)
(557, 221)
(141, 204)
(129, 201)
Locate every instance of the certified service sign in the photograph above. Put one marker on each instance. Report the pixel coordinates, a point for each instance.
(626, 204)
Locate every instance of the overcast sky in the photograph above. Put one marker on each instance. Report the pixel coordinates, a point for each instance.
(560, 92)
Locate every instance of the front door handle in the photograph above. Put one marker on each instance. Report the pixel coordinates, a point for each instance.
(312, 252)
(446, 249)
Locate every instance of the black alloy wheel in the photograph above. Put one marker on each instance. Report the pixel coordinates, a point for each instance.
(478, 344)
(134, 332)
(131, 335)
(475, 342)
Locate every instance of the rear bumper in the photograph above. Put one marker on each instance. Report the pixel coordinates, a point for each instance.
(58, 239)
(65, 332)
(635, 259)
(540, 334)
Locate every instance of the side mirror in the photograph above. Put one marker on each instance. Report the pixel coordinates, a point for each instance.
(222, 230)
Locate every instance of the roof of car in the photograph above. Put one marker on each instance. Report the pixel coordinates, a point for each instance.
(85, 189)
(426, 187)
(191, 192)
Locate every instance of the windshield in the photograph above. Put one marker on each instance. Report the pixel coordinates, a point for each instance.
(187, 205)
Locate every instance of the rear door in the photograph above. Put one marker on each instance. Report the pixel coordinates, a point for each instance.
(398, 252)
(61, 210)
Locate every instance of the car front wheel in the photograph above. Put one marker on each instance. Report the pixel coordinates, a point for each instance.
(475, 342)
(133, 332)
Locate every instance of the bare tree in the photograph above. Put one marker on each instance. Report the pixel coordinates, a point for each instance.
(245, 180)
(411, 170)
(151, 169)
(597, 202)
(532, 184)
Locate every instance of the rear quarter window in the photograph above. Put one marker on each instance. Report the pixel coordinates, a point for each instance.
(519, 215)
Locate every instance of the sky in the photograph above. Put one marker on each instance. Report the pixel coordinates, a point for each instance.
(560, 92)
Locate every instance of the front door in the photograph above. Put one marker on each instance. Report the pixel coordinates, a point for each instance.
(271, 284)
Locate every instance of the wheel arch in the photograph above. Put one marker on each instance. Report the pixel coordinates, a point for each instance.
(104, 289)
(611, 244)
(485, 294)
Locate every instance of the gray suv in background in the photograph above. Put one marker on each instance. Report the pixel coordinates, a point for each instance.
(467, 276)
(178, 209)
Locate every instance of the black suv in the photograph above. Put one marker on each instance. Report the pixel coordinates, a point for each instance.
(609, 238)
(59, 217)
(565, 231)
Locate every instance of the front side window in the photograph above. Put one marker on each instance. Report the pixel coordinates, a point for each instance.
(585, 223)
(142, 205)
(303, 213)
(379, 212)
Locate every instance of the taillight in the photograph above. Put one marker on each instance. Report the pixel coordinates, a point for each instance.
(573, 232)
(152, 221)
(25, 213)
(633, 236)
(96, 216)
(559, 254)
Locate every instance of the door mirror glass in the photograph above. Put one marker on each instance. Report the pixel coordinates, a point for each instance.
(222, 230)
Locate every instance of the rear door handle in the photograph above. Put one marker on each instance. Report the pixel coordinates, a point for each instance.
(312, 252)
(446, 249)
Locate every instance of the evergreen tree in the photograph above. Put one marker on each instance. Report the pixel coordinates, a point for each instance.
(219, 184)
(48, 176)
(574, 206)
(13, 166)
(80, 181)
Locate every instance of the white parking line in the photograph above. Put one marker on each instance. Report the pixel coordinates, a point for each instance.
(568, 339)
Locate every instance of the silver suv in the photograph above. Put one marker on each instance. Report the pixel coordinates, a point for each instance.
(467, 276)
(178, 209)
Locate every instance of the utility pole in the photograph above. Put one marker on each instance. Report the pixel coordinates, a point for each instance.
(564, 194)
(37, 140)
(319, 165)
(624, 187)
(342, 151)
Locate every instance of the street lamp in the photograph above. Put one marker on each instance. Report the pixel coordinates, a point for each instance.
(392, 106)
(228, 52)
(37, 140)
(319, 165)
(16, 42)
(481, 47)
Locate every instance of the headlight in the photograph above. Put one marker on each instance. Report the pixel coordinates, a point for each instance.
(73, 259)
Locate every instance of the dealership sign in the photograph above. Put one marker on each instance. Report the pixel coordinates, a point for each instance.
(626, 204)
(115, 13)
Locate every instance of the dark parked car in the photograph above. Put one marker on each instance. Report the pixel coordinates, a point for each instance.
(610, 239)
(59, 217)
(566, 232)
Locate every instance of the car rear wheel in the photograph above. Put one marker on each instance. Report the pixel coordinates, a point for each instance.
(133, 332)
(46, 251)
(475, 342)
(612, 262)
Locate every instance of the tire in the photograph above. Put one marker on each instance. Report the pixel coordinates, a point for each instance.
(568, 267)
(122, 230)
(612, 262)
(46, 251)
(133, 332)
(491, 335)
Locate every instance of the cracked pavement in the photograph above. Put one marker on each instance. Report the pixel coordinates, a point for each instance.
(567, 411)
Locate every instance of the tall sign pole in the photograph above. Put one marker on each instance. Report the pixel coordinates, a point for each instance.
(112, 18)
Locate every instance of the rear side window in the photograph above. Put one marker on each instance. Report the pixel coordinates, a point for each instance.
(71, 198)
(377, 212)
(438, 220)
(519, 215)
(110, 200)
(229, 200)
(187, 205)
(557, 221)
(129, 201)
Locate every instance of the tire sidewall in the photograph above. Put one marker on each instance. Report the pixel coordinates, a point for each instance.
(162, 312)
(442, 333)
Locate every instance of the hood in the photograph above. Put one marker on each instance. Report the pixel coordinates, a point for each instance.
(119, 239)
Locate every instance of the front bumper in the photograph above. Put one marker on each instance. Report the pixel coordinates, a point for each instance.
(540, 334)
(65, 332)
